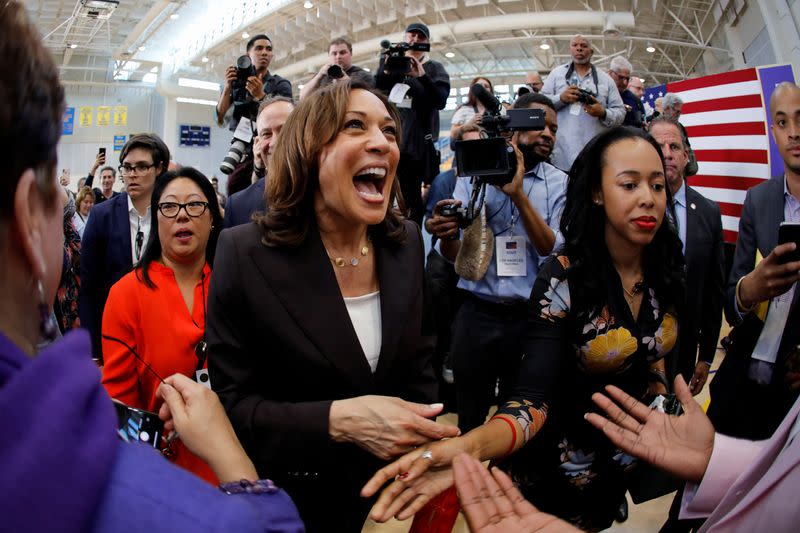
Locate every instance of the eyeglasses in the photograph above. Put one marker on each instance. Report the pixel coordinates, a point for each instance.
(139, 168)
(193, 209)
(620, 76)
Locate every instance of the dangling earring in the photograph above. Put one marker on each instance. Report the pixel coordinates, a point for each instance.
(47, 326)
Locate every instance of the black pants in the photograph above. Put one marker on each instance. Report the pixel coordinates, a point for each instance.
(410, 173)
(486, 347)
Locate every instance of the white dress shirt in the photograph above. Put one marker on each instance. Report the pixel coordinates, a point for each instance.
(138, 223)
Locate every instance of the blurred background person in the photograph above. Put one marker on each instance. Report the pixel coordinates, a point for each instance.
(620, 70)
(84, 201)
(602, 311)
(636, 86)
(470, 113)
(671, 107)
(107, 176)
(315, 315)
(340, 54)
(69, 471)
(155, 316)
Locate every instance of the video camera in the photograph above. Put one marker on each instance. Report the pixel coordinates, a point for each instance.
(244, 69)
(396, 61)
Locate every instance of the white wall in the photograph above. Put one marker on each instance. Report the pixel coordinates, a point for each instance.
(77, 152)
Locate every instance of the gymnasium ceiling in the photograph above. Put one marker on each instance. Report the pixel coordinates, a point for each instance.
(97, 42)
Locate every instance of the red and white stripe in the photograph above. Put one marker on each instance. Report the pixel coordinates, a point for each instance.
(725, 119)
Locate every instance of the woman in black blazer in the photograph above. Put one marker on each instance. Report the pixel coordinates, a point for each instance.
(315, 312)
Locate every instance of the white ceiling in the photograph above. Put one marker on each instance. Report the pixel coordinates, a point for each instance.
(495, 38)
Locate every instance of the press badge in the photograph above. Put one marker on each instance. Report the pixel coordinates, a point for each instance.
(398, 93)
(512, 257)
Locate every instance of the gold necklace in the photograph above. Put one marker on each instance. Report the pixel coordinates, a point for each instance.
(341, 262)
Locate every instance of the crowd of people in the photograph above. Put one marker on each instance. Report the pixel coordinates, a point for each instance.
(295, 345)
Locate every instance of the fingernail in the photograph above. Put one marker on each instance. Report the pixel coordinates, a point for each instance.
(586, 416)
(437, 405)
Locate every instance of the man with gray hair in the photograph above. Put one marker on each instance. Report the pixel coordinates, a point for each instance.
(672, 105)
(586, 99)
(620, 71)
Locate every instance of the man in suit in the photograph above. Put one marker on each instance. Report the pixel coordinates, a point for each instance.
(757, 382)
(118, 230)
(271, 116)
(700, 229)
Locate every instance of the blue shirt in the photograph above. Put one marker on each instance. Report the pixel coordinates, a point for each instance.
(679, 202)
(545, 187)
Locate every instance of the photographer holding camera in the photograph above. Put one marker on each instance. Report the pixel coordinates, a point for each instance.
(523, 215)
(340, 67)
(586, 99)
(249, 83)
(419, 86)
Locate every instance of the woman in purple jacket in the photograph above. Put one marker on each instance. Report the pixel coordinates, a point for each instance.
(64, 468)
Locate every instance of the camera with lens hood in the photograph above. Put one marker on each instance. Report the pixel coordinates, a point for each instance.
(396, 60)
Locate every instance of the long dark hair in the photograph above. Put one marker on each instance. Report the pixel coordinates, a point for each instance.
(294, 168)
(152, 251)
(583, 227)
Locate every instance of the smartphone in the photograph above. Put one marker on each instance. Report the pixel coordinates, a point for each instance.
(138, 425)
(102, 151)
(789, 232)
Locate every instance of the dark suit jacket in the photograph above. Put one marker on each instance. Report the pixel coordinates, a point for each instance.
(105, 258)
(738, 407)
(243, 204)
(705, 285)
(282, 348)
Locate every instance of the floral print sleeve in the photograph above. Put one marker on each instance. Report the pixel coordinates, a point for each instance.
(544, 342)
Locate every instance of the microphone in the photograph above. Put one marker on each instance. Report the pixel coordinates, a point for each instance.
(491, 103)
(386, 43)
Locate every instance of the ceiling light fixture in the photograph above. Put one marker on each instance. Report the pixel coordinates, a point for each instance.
(73, 46)
(308, 4)
(205, 59)
(142, 48)
(245, 35)
(650, 48)
(450, 54)
(610, 30)
(174, 16)
(544, 45)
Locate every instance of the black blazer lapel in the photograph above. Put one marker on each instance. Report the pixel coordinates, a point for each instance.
(397, 293)
(120, 231)
(303, 279)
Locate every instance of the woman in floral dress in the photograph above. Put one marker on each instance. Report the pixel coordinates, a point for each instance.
(603, 311)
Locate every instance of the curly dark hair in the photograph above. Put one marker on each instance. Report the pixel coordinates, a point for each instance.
(294, 168)
(583, 227)
(152, 251)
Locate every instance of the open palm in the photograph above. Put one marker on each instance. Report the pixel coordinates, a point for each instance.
(680, 445)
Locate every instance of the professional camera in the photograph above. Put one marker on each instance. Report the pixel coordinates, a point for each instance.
(586, 97)
(396, 61)
(244, 69)
(493, 159)
(335, 72)
(241, 146)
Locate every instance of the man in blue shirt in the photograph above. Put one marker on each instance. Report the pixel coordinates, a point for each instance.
(523, 215)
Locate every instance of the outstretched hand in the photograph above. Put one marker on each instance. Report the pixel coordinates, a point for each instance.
(492, 504)
(680, 445)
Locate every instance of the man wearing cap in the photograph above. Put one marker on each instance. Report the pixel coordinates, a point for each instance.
(419, 95)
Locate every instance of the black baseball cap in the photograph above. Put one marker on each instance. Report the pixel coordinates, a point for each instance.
(420, 27)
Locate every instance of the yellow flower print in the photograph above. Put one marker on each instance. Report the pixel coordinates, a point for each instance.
(666, 335)
(608, 352)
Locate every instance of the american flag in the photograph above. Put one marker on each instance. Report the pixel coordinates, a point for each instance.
(727, 121)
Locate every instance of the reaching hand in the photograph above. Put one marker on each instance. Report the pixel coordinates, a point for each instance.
(417, 479)
(196, 413)
(230, 77)
(255, 87)
(681, 445)
(441, 226)
(385, 426)
(514, 188)
(595, 109)
(492, 504)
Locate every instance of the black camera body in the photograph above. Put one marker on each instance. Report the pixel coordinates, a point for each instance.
(493, 160)
(586, 97)
(244, 69)
(396, 61)
(335, 72)
(459, 213)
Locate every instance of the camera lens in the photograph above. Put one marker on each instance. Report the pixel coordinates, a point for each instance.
(335, 71)
(244, 62)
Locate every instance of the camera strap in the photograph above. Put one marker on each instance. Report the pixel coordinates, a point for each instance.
(571, 71)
